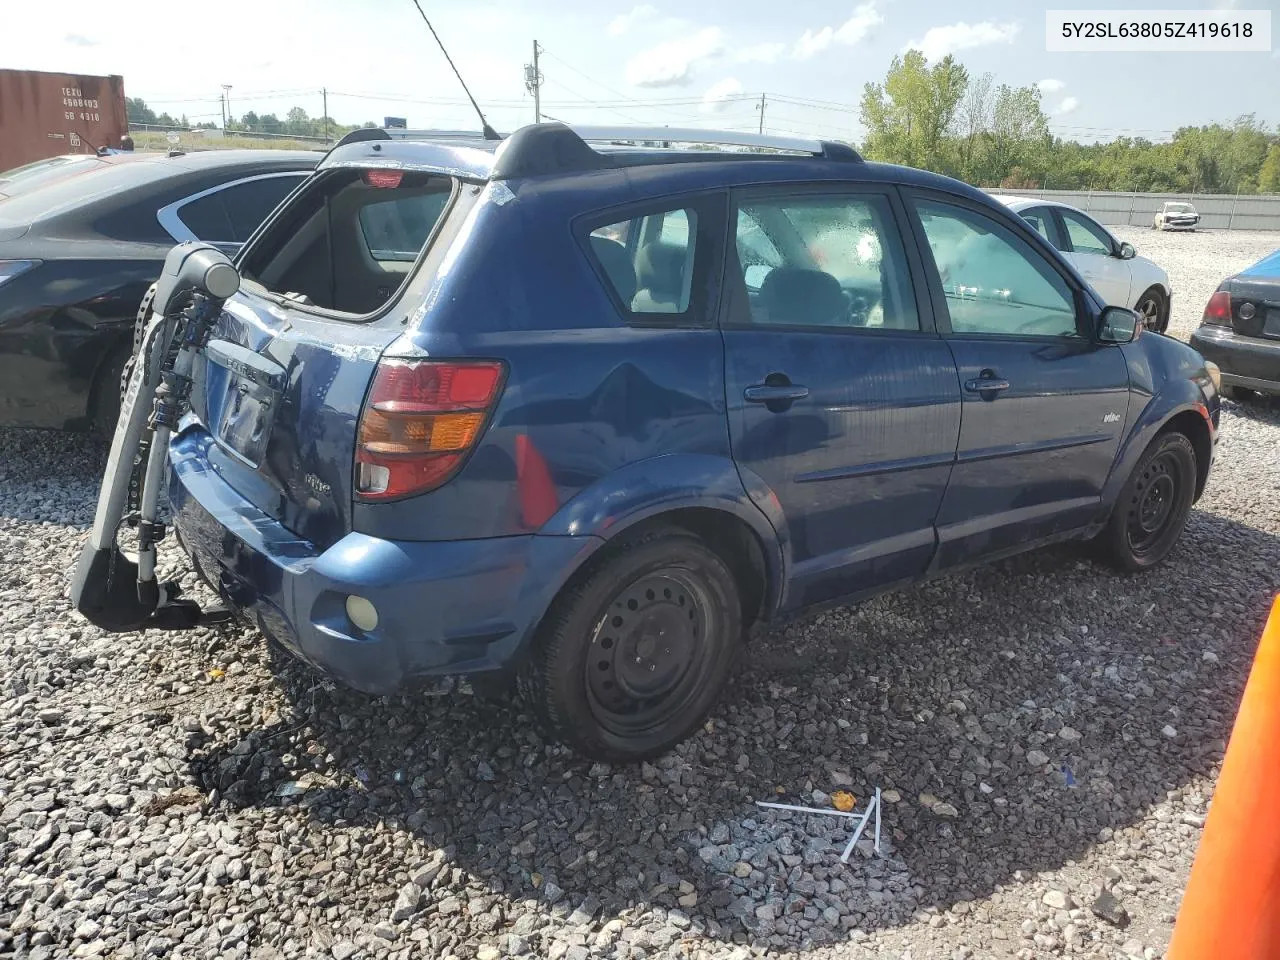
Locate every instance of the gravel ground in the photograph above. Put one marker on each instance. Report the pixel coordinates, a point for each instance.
(1196, 263)
(1047, 735)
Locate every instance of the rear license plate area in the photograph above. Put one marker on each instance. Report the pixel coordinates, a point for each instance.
(1272, 326)
(243, 390)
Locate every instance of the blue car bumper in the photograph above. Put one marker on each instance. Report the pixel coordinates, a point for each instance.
(444, 607)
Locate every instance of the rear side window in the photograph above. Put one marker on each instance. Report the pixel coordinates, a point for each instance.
(249, 203)
(207, 218)
(232, 213)
(649, 260)
(349, 241)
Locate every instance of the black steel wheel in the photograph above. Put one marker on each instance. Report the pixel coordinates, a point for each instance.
(1153, 308)
(632, 658)
(1152, 509)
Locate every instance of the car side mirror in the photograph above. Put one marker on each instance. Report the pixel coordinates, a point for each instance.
(1118, 325)
(1126, 251)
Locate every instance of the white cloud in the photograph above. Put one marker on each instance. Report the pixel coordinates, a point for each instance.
(940, 41)
(811, 43)
(854, 30)
(1051, 86)
(623, 22)
(672, 63)
(760, 53)
(717, 96)
(1068, 105)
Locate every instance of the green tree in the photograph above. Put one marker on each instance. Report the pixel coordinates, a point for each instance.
(908, 116)
(137, 110)
(1269, 174)
(297, 123)
(1019, 134)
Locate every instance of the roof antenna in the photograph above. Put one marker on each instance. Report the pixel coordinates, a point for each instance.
(486, 131)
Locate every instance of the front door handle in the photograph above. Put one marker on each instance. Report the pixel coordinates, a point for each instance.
(987, 384)
(775, 393)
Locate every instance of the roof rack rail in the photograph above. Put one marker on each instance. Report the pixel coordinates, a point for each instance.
(555, 148)
(668, 135)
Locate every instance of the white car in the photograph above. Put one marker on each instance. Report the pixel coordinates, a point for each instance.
(1112, 267)
(1175, 215)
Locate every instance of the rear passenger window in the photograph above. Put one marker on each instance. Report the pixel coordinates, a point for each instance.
(648, 260)
(824, 261)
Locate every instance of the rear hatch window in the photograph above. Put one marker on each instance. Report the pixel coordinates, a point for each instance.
(346, 244)
(284, 378)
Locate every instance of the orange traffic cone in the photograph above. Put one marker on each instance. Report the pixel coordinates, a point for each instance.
(1231, 910)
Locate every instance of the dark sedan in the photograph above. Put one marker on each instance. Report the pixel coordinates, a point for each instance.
(1240, 331)
(81, 242)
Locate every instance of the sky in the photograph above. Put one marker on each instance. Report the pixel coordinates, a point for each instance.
(655, 62)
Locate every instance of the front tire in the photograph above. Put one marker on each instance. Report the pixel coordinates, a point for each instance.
(632, 658)
(1153, 306)
(1152, 509)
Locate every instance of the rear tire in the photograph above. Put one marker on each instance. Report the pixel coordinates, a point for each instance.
(104, 403)
(631, 659)
(1152, 509)
(1153, 306)
(1237, 394)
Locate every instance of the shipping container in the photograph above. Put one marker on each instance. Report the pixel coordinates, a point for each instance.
(48, 114)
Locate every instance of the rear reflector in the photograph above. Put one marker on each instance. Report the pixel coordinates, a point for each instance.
(1218, 310)
(419, 423)
(385, 179)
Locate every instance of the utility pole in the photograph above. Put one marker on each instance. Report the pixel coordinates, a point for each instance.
(533, 83)
(226, 105)
(324, 93)
(760, 107)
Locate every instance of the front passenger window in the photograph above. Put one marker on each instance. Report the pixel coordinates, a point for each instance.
(1085, 236)
(994, 282)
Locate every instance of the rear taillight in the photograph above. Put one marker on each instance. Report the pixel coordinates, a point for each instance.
(1218, 309)
(421, 420)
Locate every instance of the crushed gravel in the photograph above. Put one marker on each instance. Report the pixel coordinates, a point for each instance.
(1046, 734)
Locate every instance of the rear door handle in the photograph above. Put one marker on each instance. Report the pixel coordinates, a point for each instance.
(781, 393)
